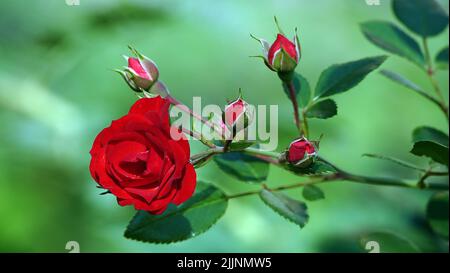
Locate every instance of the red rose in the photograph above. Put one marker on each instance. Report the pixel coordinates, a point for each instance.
(282, 43)
(141, 74)
(301, 152)
(283, 55)
(137, 160)
(238, 114)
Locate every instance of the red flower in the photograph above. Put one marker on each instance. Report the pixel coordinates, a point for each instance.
(238, 115)
(283, 55)
(134, 64)
(282, 43)
(300, 152)
(234, 111)
(137, 160)
(141, 74)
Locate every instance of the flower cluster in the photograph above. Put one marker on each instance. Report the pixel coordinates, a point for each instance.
(138, 161)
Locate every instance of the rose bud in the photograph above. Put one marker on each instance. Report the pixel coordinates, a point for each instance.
(301, 153)
(283, 55)
(141, 73)
(237, 115)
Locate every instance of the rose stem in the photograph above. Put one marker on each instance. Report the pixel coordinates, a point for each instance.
(186, 109)
(434, 83)
(198, 137)
(291, 88)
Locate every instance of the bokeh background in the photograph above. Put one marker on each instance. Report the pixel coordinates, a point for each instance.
(57, 91)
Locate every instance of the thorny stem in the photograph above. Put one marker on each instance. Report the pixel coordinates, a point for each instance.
(285, 187)
(305, 124)
(434, 83)
(186, 109)
(291, 88)
(199, 137)
(340, 175)
(255, 151)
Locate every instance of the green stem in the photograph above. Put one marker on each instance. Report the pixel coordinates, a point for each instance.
(340, 174)
(305, 124)
(199, 137)
(312, 181)
(186, 109)
(434, 83)
(385, 181)
(255, 151)
(293, 97)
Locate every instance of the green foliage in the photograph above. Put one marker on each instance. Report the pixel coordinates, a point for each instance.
(241, 145)
(423, 17)
(442, 59)
(302, 89)
(437, 213)
(318, 167)
(323, 109)
(186, 221)
(342, 77)
(293, 210)
(392, 39)
(396, 77)
(244, 167)
(312, 193)
(432, 143)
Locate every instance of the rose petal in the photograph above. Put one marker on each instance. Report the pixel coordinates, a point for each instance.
(187, 185)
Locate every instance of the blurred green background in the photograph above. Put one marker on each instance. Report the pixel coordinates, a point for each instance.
(57, 91)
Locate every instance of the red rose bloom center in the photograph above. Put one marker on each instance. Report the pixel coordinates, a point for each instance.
(137, 160)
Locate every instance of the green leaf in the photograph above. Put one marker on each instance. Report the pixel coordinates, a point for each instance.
(322, 109)
(442, 59)
(423, 17)
(293, 210)
(186, 221)
(243, 167)
(437, 213)
(342, 77)
(241, 145)
(431, 149)
(408, 84)
(392, 39)
(312, 193)
(431, 143)
(386, 242)
(396, 161)
(316, 168)
(425, 133)
(401, 80)
(302, 90)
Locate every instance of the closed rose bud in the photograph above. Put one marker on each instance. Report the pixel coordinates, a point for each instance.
(282, 55)
(301, 153)
(238, 115)
(141, 73)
